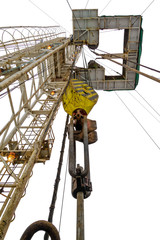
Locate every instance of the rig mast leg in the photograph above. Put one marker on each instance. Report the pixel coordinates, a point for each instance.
(80, 216)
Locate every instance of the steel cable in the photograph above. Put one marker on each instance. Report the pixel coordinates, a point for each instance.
(138, 121)
(139, 64)
(57, 180)
(128, 83)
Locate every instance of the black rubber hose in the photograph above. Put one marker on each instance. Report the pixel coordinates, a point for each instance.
(41, 225)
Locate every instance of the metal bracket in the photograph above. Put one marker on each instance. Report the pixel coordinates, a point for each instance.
(72, 150)
(81, 184)
(41, 225)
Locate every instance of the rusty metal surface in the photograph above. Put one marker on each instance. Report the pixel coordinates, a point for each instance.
(72, 150)
(41, 225)
(81, 184)
(32, 105)
(78, 122)
(86, 26)
(80, 216)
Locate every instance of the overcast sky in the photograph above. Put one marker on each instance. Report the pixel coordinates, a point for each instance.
(125, 162)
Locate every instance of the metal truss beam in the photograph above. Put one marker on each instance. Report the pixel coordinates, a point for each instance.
(34, 94)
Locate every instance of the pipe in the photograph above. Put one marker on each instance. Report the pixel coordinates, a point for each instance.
(80, 216)
(41, 225)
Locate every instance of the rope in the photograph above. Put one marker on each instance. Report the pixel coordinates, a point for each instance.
(64, 188)
(137, 121)
(57, 180)
(142, 12)
(48, 16)
(144, 107)
(73, 14)
(134, 90)
(95, 59)
(139, 64)
(135, 70)
(147, 7)
(86, 4)
(147, 103)
(106, 6)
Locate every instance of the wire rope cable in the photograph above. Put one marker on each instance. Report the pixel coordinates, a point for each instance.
(105, 6)
(138, 121)
(139, 64)
(86, 4)
(129, 83)
(130, 93)
(57, 180)
(134, 70)
(63, 195)
(143, 12)
(147, 7)
(73, 14)
(144, 107)
(48, 15)
(148, 103)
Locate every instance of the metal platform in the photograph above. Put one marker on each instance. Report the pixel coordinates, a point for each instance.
(86, 26)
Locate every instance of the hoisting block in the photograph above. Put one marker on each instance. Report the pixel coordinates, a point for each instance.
(78, 121)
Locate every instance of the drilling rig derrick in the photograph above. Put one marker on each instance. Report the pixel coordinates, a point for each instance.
(35, 68)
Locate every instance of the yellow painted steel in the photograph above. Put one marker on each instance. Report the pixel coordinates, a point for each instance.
(79, 95)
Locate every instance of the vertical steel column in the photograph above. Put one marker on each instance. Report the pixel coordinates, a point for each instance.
(80, 216)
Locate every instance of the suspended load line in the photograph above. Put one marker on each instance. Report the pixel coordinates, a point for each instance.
(78, 100)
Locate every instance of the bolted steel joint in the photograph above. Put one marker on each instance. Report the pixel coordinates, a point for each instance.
(81, 184)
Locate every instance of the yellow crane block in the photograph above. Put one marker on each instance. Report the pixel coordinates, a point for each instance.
(79, 95)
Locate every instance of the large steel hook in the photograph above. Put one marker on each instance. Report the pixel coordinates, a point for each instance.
(41, 225)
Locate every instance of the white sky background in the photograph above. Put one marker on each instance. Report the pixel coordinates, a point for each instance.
(125, 163)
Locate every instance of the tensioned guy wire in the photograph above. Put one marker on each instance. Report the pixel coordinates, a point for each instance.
(138, 121)
(86, 4)
(139, 64)
(148, 103)
(143, 12)
(144, 107)
(104, 65)
(48, 15)
(73, 14)
(64, 188)
(147, 7)
(105, 6)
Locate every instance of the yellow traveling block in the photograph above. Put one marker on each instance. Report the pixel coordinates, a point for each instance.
(79, 95)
